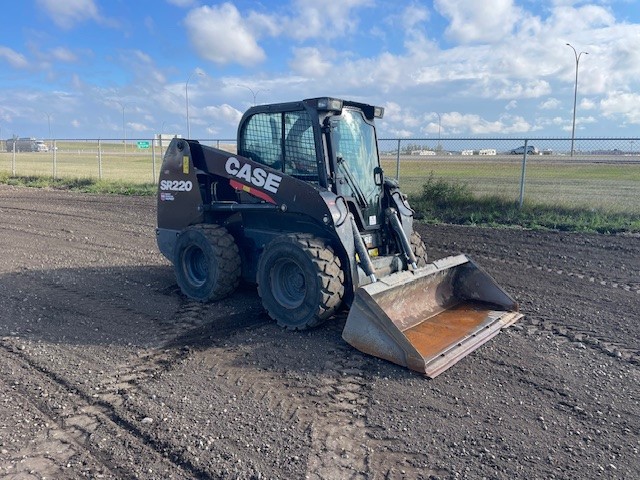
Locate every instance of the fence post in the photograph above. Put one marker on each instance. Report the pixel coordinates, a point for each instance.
(153, 159)
(398, 161)
(52, 145)
(55, 159)
(524, 171)
(99, 159)
(13, 159)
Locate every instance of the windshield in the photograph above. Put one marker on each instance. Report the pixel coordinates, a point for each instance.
(355, 143)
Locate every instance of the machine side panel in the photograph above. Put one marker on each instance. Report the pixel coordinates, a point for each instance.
(179, 197)
(267, 184)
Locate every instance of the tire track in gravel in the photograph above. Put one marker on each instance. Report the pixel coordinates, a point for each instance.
(332, 402)
(108, 397)
(579, 273)
(89, 425)
(331, 397)
(90, 245)
(581, 334)
(586, 330)
(565, 263)
(94, 312)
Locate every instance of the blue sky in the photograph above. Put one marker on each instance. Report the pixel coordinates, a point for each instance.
(464, 67)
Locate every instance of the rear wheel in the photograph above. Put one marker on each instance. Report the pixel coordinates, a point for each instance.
(206, 262)
(418, 248)
(300, 281)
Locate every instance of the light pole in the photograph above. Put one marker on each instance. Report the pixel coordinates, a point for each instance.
(575, 95)
(254, 93)
(49, 124)
(161, 130)
(439, 128)
(124, 130)
(186, 96)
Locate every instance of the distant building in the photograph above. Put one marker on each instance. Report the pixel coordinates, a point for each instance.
(422, 152)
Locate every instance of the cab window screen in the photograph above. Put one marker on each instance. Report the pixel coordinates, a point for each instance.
(299, 146)
(261, 139)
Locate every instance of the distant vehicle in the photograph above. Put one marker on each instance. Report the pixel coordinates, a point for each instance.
(26, 144)
(531, 150)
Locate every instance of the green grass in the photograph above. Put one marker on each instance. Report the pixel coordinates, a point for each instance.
(112, 164)
(87, 185)
(577, 185)
(454, 202)
(439, 202)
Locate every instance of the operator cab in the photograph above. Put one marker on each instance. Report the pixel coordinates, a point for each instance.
(327, 142)
(284, 139)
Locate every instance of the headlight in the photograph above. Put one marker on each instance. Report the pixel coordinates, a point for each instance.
(332, 104)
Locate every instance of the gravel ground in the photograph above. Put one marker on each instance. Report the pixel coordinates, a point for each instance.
(107, 371)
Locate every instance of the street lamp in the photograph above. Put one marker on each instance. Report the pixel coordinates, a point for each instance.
(254, 93)
(186, 96)
(49, 123)
(124, 130)
(160, 135)
(575, 95)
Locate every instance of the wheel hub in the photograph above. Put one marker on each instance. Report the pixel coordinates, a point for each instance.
(288, 284)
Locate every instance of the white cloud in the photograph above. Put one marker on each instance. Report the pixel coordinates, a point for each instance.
(220, 35)
(137, 127)
(224, 113)
(414, 15)
(312, 19)
(14, 58)
(66, 14)
(508, 89)
(549, 104)
(310, 62)
(623, 104)
(459, 123)
(587, 104)
(182, 3)
(473, 21)
(64, 55)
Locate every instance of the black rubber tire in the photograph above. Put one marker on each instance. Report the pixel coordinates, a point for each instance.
(418, 248)
(206, 262)
(300, 281)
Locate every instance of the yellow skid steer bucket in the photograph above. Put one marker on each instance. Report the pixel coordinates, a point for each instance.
(430, 318)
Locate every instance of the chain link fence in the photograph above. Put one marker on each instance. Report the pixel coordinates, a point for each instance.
(131, 160)
(600, 173)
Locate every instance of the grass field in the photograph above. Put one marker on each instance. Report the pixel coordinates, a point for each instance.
(591, 183)
(611, 185)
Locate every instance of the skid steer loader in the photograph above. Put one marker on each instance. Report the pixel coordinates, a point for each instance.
(303, 210)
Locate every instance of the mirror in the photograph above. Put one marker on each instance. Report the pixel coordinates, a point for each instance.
(378, 178)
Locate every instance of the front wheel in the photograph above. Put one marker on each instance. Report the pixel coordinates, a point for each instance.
(300, 281)
(206, 262)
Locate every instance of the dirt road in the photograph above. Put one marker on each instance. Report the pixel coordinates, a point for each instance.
(106, 371)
